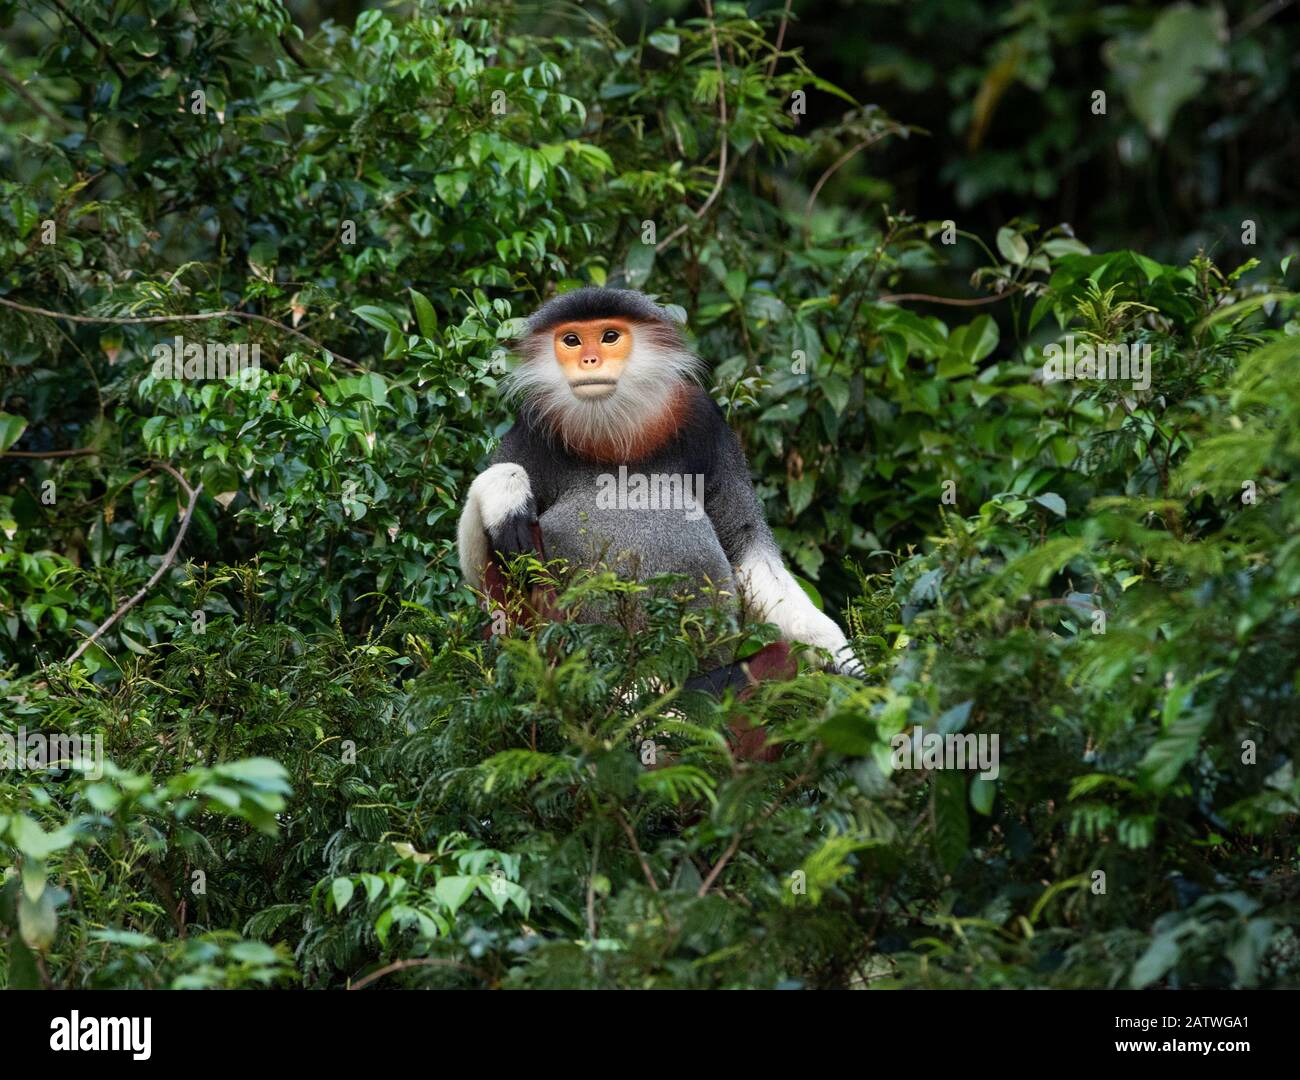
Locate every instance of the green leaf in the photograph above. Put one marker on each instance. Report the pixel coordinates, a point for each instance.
(638, 264)
(1161, 955)
(1065, 245)
(1169, 753)
(1012, 246)
(130, 938)
(954, 720)
(454, 890)
(800, 492)
(849, 733)
(264, 774)
(261, 260)
(735, 283)
(33, 878)
(32, 840)
(837, 389)
(377, 317)
(341, 890)
(425, 316)
(1164, 68)
(982, 794)
(23, 973)
(11, 430)
(972, 343)
(37, 921)
(951, 822)
(666, 42)
(1052, 501)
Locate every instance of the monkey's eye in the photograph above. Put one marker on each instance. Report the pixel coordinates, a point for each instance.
(571, 340)
(609, 337)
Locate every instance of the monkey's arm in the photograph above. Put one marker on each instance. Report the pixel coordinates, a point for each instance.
(761, 575)
(499, 512)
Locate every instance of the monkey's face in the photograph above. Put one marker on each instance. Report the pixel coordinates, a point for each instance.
(592, 355)
(605, 369)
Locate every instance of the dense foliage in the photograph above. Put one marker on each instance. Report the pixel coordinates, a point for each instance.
(1200, 100)
(318, 768)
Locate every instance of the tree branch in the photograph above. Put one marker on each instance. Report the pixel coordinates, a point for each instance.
(722, 149)
(591, 889)
(51, 453)
(140, 320)
(953, 301)
(292, 50)
(157, 574)
(636, 848)
(734, 846)
(839, 163)
(780, 38)
(427, 961)
(94, 39)
(15, 84)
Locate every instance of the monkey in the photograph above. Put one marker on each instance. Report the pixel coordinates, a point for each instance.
(608, 387)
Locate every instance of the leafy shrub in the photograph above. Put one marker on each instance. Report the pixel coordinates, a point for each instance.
(320, 772)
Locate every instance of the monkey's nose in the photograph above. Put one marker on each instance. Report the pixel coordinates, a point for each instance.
(591, 361)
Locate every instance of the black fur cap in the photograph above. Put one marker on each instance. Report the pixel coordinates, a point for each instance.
(592, 302)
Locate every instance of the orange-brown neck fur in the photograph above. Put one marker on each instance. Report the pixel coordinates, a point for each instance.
(652, 435)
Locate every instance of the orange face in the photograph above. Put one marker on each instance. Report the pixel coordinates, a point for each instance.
(592, 355)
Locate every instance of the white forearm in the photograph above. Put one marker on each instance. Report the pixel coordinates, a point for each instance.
(495, 494)
(774, 595)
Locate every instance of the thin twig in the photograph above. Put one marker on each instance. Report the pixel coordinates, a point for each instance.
(287, 42)
(881, 247)
(953, 301)
(839, 163)
(1259, 18)
(94, 39)
(636, 848)
(427, 961)
(780, 38)
(157, 574)
(164, 888)
(36, 103)
(51, 453)
(140, 320)
(591, 889)
(734, 846)
(722, 148)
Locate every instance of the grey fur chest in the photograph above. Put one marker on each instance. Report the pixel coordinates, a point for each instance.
(638, 524)
(688, 508)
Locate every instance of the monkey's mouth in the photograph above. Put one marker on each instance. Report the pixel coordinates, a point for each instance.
(593, 388)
